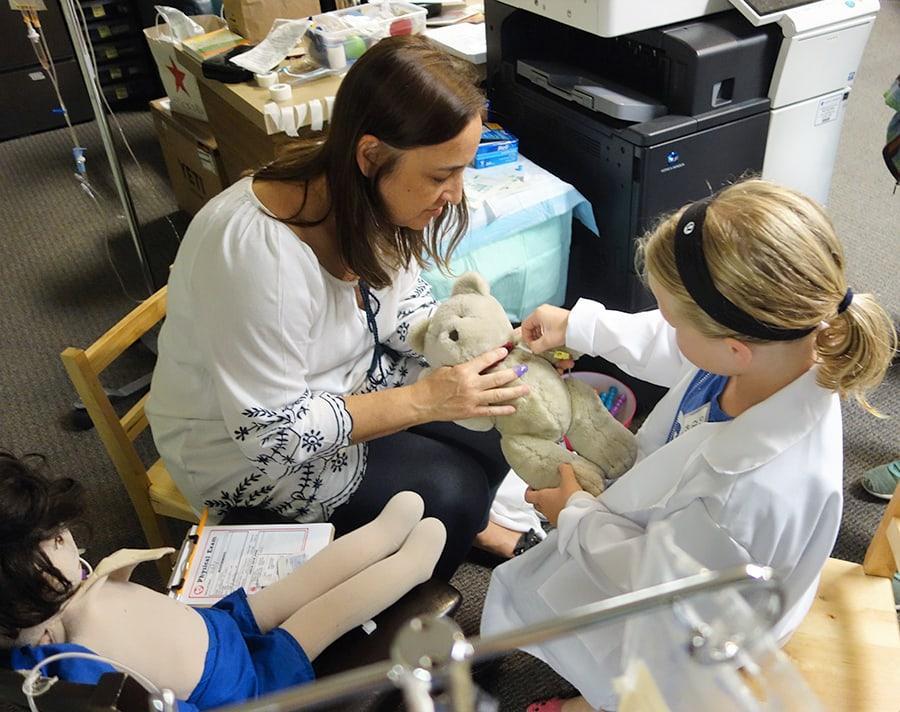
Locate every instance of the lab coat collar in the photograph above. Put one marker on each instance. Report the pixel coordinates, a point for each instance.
(769, 428)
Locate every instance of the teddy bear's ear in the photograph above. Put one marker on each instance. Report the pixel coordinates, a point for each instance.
(471, 283)
(417, 336)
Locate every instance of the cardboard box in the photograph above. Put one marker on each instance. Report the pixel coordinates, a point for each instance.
(178, 78)
(497, 147)
(253, 18)
(191, 155)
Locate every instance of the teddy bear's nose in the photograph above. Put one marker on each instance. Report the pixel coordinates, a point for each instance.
(454, 335)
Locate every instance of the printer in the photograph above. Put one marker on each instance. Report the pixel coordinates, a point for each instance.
(644, 106)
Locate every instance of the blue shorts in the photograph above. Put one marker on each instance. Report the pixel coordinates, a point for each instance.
(242, 662)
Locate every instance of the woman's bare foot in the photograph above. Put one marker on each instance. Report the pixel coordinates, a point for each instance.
(498, 540)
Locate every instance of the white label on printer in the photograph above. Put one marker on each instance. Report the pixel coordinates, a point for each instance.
(36, 76)
(829, 110)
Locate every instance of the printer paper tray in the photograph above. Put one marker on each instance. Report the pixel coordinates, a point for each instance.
(592, 92)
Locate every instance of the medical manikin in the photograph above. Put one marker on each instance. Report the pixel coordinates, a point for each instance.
(238, 649)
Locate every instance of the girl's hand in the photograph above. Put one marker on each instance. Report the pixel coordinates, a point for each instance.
(545, 328)
(464, 391)
(552, 500)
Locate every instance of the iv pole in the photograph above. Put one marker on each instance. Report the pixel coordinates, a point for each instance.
(82, 54)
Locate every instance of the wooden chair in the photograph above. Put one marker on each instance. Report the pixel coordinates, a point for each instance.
(848, 646)
(152, 491)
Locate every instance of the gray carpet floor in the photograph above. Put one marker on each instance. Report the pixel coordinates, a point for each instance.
(59, 286)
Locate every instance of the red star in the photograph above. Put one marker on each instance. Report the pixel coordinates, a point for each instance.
(179, 77)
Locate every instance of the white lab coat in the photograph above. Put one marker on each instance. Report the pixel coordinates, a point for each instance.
(764, 488)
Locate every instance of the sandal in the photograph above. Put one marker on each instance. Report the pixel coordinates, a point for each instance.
(526, 541)
(881, 481)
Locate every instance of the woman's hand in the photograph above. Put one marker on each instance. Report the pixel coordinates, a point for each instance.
(464, 391)
(552, 500)
(545, 328)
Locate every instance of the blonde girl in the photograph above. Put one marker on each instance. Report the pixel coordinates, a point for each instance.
(758, 336)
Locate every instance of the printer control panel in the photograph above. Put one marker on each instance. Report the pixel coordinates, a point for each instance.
(801, 16)
(611, 18)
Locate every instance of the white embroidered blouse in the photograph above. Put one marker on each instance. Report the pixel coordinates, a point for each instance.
(259, 345)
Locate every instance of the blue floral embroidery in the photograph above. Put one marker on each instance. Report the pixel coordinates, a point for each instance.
(339, 462)
(279, 482)
(312, 441)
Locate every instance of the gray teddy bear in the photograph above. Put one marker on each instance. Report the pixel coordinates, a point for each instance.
(471, 322)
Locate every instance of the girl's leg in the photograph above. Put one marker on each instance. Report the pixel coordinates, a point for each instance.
(456, 471)
(358, 599)
(343, 558)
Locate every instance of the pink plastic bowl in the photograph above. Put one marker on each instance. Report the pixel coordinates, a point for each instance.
(601, 382)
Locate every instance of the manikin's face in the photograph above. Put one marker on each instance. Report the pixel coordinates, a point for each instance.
(63, 554)
(425, 179)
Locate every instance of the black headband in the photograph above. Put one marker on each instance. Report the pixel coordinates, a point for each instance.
(694, 273)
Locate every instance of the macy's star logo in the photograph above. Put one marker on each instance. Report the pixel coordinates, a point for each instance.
(178, 75)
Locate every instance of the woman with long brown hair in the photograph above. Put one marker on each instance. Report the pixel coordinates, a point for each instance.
(284, 378)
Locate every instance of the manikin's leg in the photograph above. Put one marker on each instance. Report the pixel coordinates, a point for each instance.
(356, 600)
(343, 558)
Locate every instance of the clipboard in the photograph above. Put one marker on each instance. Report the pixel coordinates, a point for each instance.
(215, 560)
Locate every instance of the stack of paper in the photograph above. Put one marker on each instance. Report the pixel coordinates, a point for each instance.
(226, 558)
(464, 40)
(212, 43)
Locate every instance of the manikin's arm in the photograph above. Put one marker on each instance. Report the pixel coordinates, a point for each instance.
(355, 578)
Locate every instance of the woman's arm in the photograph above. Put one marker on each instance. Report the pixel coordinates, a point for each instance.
(448, 393)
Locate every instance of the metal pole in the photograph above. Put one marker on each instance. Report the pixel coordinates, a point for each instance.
(85, 62)
(374, 677)
(627, 604)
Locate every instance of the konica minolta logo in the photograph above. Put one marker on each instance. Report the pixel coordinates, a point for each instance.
(673, 161)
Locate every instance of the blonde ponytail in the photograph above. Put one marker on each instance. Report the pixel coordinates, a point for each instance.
(855, 348)
(774, 254)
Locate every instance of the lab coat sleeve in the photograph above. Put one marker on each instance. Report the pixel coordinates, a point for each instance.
(417, 303)
(611, 548)
(255, 300)
(641, 344)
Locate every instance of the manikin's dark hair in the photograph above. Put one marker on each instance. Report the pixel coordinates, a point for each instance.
(407, 93)
(33, 508)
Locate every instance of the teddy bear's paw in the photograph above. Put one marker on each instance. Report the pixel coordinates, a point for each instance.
(588, 476)
(620, 453)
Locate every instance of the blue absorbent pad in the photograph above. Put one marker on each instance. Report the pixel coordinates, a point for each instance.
(525, 270)
(520, 230)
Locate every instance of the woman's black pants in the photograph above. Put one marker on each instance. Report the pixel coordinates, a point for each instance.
(456, 471)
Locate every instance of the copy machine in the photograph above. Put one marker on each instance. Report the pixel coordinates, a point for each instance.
(645, 105)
